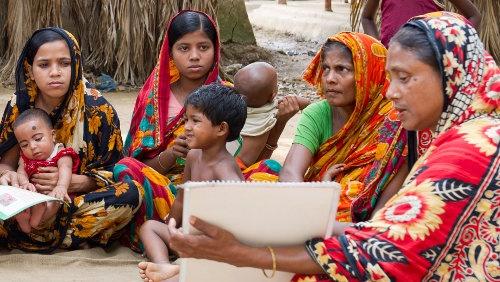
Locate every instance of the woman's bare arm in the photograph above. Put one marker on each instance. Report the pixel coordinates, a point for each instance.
(368, 18)
(296, 163)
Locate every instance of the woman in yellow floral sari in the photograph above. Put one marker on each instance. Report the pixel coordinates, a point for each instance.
(351, 136)
(49, 76)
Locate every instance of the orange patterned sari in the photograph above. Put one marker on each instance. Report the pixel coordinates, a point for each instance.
(372, 141)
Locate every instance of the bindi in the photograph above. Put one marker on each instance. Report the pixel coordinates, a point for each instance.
(33, 127)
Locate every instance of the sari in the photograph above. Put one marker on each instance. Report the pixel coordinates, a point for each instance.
(89, 125)
(371, 144)
(151, 132)
(443, 224)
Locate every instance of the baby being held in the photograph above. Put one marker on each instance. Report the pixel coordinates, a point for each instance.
(266, 115)
(36, 137)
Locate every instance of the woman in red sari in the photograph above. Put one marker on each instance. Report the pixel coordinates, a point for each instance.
(155, 144)
(442, 223)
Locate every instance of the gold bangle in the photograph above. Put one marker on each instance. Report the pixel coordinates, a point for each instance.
(273, 256)
(159, 160)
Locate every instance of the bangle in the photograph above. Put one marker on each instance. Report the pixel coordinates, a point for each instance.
(273, 256)
(159, 160)
(270, 147)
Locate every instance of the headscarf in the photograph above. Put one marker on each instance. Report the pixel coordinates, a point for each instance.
(67, 118)
(149, 132)
(470, 75)
(82, 121)
(371, 142)
(442, 225)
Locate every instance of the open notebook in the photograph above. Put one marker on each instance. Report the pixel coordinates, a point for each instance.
(258, 214)
(14, 200)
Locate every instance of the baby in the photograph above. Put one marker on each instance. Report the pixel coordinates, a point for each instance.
(266, 116)
(36, 137)
(215, 115)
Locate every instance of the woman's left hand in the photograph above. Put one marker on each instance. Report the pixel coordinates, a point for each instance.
(46, 179)
(214, 243)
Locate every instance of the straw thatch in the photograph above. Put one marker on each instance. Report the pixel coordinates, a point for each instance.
(489, 30)
(118, 37)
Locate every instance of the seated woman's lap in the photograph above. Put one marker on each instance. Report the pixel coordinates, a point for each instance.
(96, 217)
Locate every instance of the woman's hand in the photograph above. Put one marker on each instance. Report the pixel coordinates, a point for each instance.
(46, 179)
(9, 177)
(287, 108)
(214, 243)
(180, 147)
(333, 171)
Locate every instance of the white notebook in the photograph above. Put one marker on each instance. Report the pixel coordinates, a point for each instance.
(14, 200)
(258, 214)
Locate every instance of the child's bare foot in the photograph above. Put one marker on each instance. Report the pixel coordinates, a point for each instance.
(37, 214)
(23, 219)
(150, 271)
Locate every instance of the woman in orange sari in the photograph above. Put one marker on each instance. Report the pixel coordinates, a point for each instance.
(351, 136)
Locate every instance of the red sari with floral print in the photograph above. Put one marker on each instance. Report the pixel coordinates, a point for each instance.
(443, 224)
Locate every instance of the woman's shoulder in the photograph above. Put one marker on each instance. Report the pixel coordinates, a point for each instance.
(318, 107)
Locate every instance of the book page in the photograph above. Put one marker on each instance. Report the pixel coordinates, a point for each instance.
(13, 200)
(258, 214)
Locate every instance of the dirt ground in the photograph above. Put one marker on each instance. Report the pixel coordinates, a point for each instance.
(290, 56)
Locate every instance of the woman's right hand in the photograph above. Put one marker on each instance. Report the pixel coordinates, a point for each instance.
(180, 147)
(9, 177)
(214, 243)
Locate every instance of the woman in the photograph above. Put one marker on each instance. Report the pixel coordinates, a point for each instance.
(441, 224)
(49, 77)
(352, 133)
(155, 144)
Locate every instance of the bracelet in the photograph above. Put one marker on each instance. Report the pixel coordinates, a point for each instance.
(270, 147)
(273, 256)
(159, 160)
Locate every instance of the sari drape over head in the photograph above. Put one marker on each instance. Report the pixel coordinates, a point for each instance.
(443, 224)
(88, 124)
(372, 141)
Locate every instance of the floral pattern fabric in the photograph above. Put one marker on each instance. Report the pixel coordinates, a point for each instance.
(89, 125)
(442, 225)
(372, 142)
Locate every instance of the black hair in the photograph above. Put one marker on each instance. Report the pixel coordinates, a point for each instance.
(219, 104)
(32, 114)
(331, 44)
(187, 22)
(415, 40)
(40, 38)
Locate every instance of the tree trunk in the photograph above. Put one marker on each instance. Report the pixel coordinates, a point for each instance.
(282, 2)
(328, 5)
(233, 22)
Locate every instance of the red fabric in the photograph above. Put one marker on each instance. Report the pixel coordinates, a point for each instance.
(395, 13)
(31, 166)
(156, 93)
